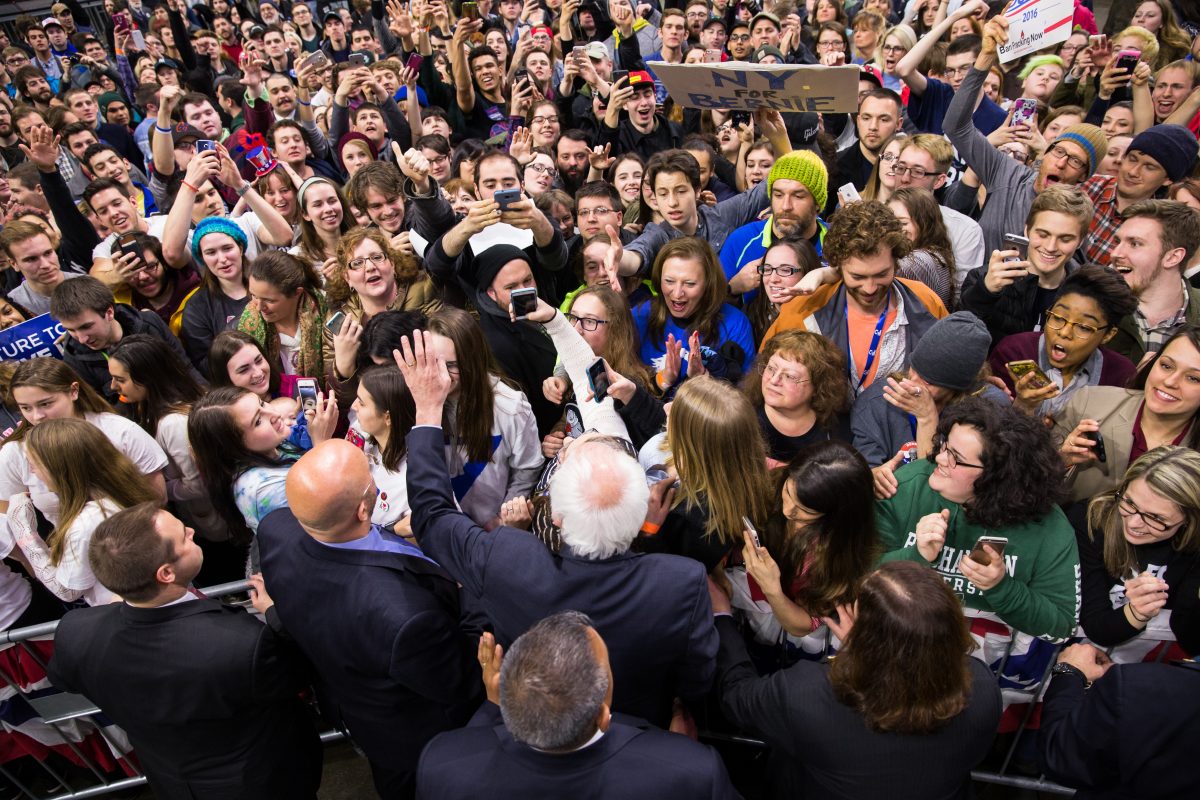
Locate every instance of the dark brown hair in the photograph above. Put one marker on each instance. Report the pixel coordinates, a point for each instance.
(476, 373)
(706, 320)
(903, 666)
(860, 230)
(126, 551)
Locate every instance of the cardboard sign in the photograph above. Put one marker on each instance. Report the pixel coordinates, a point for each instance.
(31, 339)
(746, 87)
(1034, 25)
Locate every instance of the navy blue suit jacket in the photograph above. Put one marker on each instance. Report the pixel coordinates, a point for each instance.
(209, 696)
(652, 611)
(632, 759)
(382, 631)
(1132, 735)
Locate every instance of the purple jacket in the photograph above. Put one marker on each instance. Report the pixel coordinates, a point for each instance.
(1115, 369)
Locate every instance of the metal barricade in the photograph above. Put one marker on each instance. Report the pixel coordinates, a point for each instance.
(60, 711)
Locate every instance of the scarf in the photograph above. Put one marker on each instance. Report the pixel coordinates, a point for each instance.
(310, 360)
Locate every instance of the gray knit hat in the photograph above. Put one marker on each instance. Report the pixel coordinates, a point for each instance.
(952, 351)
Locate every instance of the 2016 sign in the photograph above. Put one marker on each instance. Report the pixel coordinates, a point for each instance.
(747, 87)
(1034, 25)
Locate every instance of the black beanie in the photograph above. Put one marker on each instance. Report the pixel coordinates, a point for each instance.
(491, 261)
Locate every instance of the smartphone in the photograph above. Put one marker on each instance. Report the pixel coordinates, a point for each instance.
(317, 59)
(980, 556)
(127, 244)
(848, 194)
(120, 22)
(598, 379)
(470, 11)
(1019, 243)
(139, 41)
(1128, 60)
(1024, 112)
(712, 56)
(739, 118)
(579, 53)
(1098, 446)
(414, 62)
(506, 197)
(524, 301)
(749, 526)
(306, 390)
(1018, 369)
(618, 74)
(203, 145)
(359, 59)
(520, 75)
(334, 323)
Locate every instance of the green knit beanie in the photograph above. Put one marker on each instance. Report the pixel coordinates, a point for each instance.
(804, 166)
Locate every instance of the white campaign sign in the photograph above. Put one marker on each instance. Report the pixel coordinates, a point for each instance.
(1034, 25)
(746, 87)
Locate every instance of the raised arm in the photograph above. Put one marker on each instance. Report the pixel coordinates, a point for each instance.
(909, 67)
(464, 87)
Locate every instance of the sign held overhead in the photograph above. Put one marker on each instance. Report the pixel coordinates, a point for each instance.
(746, 87)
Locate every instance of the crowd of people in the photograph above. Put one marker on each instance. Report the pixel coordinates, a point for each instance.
(558, 424)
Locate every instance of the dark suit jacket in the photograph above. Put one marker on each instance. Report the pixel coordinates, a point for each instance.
(632, 759)
(826, 750)
(207, 694)
(652, 610)
(382, 631)
(1132, 735)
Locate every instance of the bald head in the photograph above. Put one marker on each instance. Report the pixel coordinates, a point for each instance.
(326, 487)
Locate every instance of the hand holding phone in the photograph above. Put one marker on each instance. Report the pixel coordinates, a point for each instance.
(506, 198)
(981, 556)
(1097, 445)
(523, 302)
(750, 529)
(306, 392)
(597, 375)
(1019, 369)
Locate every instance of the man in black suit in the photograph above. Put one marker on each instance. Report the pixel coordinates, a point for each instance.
(376, 617)
(652, 610)
(1123, 731)
(548, 731)
(208, 695)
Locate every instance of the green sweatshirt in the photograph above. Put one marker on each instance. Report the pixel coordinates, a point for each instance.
(1039, 593)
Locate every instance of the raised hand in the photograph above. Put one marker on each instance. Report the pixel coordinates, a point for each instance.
(42, 149)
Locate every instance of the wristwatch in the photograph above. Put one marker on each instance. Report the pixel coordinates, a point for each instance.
(1063, 668)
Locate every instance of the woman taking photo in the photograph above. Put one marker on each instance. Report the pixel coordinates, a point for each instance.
(45, 388)
(485, 410)
(690, 307)
(64, 454)
(994, 473)
(784, 264)
(220, 245)
(324, 219)
(903, 695)
(370, 277)
(1069, 349)
(812, 559)
(286, 315)
(932, 258)
(1157, 409)
(798, 386)
(1139, 550)
(244, 448)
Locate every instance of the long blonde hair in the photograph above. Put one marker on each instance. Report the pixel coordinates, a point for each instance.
(718, 451)
(67, 452)
(1171, 471)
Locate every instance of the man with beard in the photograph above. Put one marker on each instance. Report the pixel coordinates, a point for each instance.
(33, 86)
(1011, 186)
(571, 157)
(797, 187)
(1157, 240)
(873, 317)
(878, 118)
(10, 150)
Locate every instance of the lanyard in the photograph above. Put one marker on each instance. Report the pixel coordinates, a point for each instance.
(874, 348)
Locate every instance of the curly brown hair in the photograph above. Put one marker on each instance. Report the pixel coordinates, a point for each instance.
(859, 230)
(826, 365)
(404, 266)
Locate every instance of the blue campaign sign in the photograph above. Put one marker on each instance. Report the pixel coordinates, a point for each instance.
(783, 87)
(31, 339)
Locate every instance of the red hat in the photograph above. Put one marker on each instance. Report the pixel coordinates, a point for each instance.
(640, 76)
(549, 31)
(872, 74)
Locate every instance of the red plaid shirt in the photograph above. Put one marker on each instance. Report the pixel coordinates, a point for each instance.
(1102, 233)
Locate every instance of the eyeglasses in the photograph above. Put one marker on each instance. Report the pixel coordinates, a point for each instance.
(834, 44)
(771, 372)
(954, 72)
(439, 160)
(588, 213)
(952, 458)
(887, 157)
(540, 120)
(1128, 509)
(542, 168)
(1020, 156)
(783, 272)
(899, 168)
(894, 48)
(587, 323)
(1057, 322)
(452, 367)
(374, 258)
(740, 37)
(1060, 152)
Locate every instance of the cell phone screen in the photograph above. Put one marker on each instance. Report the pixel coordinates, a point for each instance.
(524, 301)
(598, 379)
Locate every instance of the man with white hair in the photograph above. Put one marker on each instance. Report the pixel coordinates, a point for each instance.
(652, 610)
